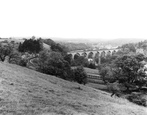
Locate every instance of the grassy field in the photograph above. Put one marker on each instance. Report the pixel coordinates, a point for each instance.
(95, 83)
(88, 70)
(27, 92)
(91, 71)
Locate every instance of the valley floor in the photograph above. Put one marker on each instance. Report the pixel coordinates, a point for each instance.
(27, 92)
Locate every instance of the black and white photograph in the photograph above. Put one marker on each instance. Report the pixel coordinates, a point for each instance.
(73, 57)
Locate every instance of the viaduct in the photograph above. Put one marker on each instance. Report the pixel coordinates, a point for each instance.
(93, 54)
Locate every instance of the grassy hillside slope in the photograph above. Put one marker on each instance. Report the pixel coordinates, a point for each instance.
(26, 92)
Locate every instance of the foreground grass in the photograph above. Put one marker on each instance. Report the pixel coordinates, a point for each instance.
(27, 92)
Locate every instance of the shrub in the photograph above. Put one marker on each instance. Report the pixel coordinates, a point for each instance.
(23, 62)
(92, 66)
(14, 57)
(136, 98)
(114, 88)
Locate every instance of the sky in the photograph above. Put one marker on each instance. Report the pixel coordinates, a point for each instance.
(93, 19)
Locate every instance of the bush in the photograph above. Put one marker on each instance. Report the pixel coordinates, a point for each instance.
(92, 66)
(136, 98)
(107, 74)
(23, 62)
(14, 57)
(79, 75)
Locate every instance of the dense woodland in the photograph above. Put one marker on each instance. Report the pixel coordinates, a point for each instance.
(53, 61)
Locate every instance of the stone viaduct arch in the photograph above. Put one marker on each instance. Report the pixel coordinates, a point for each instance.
(94, 54)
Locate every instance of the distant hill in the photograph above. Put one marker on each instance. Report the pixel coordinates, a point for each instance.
(11, 39)
(27, 92)
(113, 42)
(72, 40)
(119, 42)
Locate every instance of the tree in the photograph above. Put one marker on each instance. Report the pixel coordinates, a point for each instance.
(76, 56)
(5, 50)
(49, 42)
(107, 73)
(68, 58)
(59, 48)
(14, 57)
(130, 47)
(56, 47)
(10, 52)
(79, 75)
(20, 47)
(31, 46)
(80, 61)
(53, 63)
(90, 55)
(128, 71)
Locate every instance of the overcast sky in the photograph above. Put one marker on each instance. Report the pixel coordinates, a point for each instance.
(95, 19)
